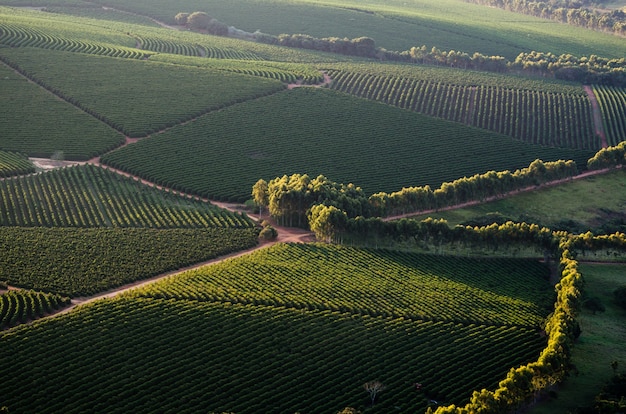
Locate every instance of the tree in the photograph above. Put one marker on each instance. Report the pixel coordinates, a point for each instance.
(327, 221)
(217, 28)
(181, 19)
(260, 195)
(373, 388)
(198, 21)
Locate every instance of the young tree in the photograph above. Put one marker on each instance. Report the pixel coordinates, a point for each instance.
(260, 195)
(373, 388)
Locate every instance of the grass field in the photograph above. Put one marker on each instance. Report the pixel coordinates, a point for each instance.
(588, 202)
(601, 342)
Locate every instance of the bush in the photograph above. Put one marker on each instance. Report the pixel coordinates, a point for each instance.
(268, 233)
(620, 296)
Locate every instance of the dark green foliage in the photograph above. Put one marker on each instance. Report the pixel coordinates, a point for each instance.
(14, 164)
(90, 196)
(121, 354)
(374, 282)
(113, 90)
(79, 262)
(21, 306)
(321, 132)
(620, 296)
(533, 116)
(593, 304)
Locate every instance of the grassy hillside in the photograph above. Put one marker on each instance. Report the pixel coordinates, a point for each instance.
(395, 25)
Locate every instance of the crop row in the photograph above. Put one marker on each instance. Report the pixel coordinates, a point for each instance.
(114, 90)
(78, 262)
(247, 359)
(552, 119)
(20, 36)
(460, 77)
(90, 196)
(14, 164)
(21, 306)
(498, 292)
(285, 72)
(612, 102)
(168, 46)
(320, 131)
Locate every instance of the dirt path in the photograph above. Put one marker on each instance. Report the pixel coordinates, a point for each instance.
(597, 115)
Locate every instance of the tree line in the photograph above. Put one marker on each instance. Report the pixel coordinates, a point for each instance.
(326, 206)
(571, 12)
(609, 157)
(584, 69)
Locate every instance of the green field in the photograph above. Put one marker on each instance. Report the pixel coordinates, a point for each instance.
(582, 205)
(14, 164)
(76, 134)
(498, 292)
(90, 196)
(147, 338)
(294, 327)
(120, 92)
(321, 132)
(396, 25)
(80, 262)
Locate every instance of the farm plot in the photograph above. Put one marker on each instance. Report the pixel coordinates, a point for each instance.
(21, 306)
(136, 97)
(284, 72)
(119, 355)
(398, 25)
(318, 131)
(80, 262)
(376, 283)
(536, 117)
(12, 163)
(38, 124)
(612, 102)
(89, 196)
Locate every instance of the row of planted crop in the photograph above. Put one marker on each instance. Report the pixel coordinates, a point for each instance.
(612, 102)
(320, 131)
(79, 262)
(373, 283)
(12, 163)
(90, 196)
(20, 306)
(21, 36)
(285, 72)
(545, 118)
(239, 358)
